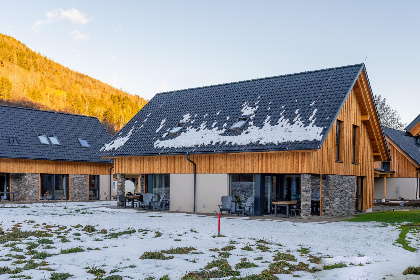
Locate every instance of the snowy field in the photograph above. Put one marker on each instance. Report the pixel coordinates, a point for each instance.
(93, 241)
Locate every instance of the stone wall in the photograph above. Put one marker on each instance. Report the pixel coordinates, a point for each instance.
(305, 196)
(338, 195)
(120, 184)
(79, 187)
(27, 185)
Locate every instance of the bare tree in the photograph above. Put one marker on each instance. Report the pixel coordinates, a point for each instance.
(388, 116)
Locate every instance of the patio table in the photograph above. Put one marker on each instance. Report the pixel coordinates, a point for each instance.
(285, 204)
(131, 198)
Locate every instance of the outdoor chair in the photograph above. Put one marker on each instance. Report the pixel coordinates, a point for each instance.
(226, 204)
(122, 201)
(248, 207)
(147, 201)
(162, 204)
(295, 209)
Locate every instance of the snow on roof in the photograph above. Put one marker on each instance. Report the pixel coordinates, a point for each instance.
(117, 142)
(282, 131)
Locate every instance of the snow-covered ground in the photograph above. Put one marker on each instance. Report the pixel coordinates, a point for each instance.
(368, 249)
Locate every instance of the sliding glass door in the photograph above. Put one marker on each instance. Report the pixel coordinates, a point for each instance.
(54, 186)
(4, 187)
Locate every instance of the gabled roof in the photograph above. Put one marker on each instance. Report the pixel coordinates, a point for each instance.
(414, 127)
(290, 112)
(25, 125)
(406, 143)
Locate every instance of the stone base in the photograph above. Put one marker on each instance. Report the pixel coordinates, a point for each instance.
(79, 187)
(338, 195)
(27, 186)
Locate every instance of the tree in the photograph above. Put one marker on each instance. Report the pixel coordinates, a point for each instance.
(388, 116)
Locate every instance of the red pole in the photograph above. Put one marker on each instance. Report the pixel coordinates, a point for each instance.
(218, 229)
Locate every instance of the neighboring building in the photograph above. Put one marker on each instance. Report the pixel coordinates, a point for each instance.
(399, 178)
(311, 136)
(50, 155)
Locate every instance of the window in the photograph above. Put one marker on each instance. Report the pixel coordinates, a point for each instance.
(54, 140)
(54, 186)
(43, 139)
(339, 144)
(239, 124)
(84, 143)
(176, 129)
(13, 141)
(356, 143)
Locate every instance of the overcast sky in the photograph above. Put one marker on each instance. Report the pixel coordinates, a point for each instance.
(146, 47)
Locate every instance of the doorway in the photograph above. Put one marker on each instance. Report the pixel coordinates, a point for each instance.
(93, 187)
(4, 187)
(280, 187)
(359, 194)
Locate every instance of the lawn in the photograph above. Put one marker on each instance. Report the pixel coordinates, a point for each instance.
(95, 241)
(390, 217)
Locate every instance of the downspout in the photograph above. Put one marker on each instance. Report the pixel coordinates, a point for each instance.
(195, 179)
(417, 189)
(110, 183)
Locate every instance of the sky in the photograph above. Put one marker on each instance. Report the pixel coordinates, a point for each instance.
(147, 47)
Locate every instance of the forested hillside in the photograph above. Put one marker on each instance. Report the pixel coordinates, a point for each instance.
(31, 80)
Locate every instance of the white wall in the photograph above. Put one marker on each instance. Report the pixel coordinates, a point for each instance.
(396, 188)
(210, 188)
(103, 187)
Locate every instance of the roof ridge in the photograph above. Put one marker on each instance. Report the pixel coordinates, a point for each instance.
(265, 78)
(47, 111)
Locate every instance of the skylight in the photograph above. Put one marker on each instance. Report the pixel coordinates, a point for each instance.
(239, 124)
(54, 140)
(43, 139)
(13, 141)
(176, 129)
(84, 143)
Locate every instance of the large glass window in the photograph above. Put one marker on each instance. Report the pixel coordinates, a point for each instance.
(291, 187)
(161, 186)
(93, 187)
(54, 186)
(242, 186)
(4, 187)
(339, 145)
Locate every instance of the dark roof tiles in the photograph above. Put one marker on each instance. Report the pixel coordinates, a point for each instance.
(27, 124)
(405, 142)
(289, 112)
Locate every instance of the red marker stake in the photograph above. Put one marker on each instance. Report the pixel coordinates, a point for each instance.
(218, 229)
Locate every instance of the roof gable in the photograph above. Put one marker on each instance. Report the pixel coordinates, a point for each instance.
(25, 125)
(290, 112)
(407, 143)
(414, 127)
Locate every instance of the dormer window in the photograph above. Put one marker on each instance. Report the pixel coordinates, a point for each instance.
(13, 141)
(84, 143)
(239, 124)
(43, 139)
(54, 140)
(176, 129)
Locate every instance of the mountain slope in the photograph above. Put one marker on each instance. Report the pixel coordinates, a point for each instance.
(31, 80)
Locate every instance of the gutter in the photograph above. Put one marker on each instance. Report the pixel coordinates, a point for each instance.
(110, 183)
(195, 179)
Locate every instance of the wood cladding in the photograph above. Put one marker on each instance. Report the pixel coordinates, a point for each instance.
(403, 166)
(52, 167)
(321, 161)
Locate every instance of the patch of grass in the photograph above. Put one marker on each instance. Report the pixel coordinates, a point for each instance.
(314, 259)
(389, 217)
(221, 264)
(18, 257)
(112, 277)
(77, 234)
(8, 270)
(72, 250)
(89, 229)
(41, 255)
(283, 267)
(117, 234)
(214, 249)
(45, 241)
(247, 248)
(303, 251)
(31, 245)
(157, 234)
(402, 239)
(12, 244)
(228, 248)
(103, 231)
(335, 265)
(60, 276)
(265, 275)
(284, 257)
(412, 270)
(263, 248)
(155, 256)
(263, 241)
(16, 235)
(179, 250)
(207, 274)
(245, 265)
(258, 258)
(98, 272)
(64, 240)
(224, 254)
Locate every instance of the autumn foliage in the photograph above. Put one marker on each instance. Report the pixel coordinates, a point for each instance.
(29, 79)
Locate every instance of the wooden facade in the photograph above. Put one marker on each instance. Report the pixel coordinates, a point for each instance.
(402, 165)
(53, 167)
(358, 110)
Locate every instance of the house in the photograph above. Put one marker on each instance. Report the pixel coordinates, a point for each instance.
(399, 178)
(50, 155)
(311, 137)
